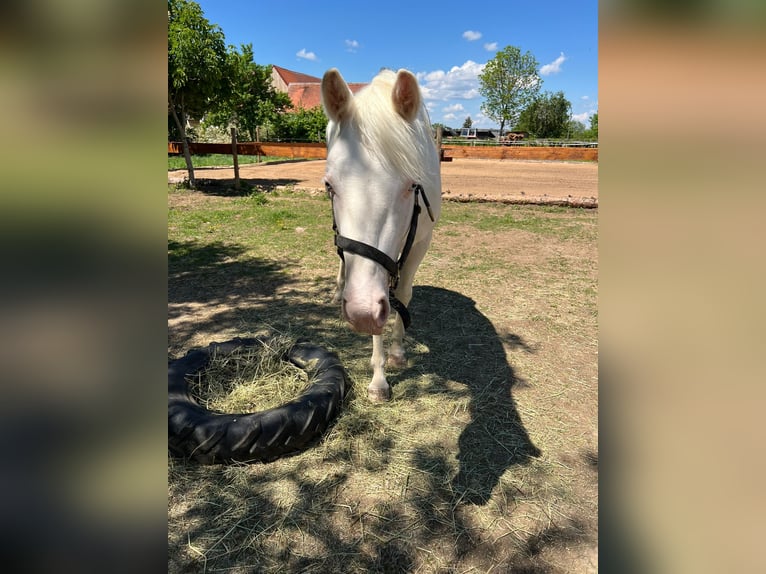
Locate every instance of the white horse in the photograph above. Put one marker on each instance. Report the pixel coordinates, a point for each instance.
(382, 165)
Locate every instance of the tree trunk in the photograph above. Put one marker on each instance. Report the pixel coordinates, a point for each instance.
(181, 125)
(235, 157)
(258, 139)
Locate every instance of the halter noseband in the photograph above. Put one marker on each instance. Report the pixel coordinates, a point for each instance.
(376, 255)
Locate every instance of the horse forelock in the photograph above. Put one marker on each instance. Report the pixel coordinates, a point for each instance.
(400, 146)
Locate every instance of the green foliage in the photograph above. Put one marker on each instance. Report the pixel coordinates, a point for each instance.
(575, 130)
(509, 83)
(246, 98)
(547, 116)
(196, 58)
(592, 132)
(301, 125)
(468, 122)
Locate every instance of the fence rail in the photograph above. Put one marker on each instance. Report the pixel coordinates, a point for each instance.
(448, 151)
(291, 150)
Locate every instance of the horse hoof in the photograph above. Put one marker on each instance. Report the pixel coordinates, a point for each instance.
(379, 395)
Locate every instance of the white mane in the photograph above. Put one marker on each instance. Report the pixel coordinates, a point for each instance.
(403, 147)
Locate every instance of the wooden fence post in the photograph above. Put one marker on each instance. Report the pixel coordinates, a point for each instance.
(234, 155)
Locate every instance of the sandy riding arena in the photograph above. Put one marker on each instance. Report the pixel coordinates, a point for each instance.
(507, 181)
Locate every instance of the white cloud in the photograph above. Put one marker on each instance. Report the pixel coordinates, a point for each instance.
(459, 83)
(481, 121)
(454, 108)
(306, 55)
(471, 35)
(554, 67)
(490, 46)
(449, 117)
(583, 117)
(352, 45)
(584, 97)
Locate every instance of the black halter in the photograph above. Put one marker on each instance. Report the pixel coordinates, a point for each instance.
(376, 255)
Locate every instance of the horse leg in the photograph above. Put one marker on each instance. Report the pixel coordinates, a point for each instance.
(396, 355)
(378, 390)
(340, 283)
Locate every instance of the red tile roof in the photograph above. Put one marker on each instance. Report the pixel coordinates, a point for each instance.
(291, 77)
(306, 91)
(305, 95)
(310, 95)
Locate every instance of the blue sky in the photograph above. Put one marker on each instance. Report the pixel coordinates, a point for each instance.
(445, 43)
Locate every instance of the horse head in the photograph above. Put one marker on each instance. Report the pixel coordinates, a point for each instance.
(376, 144)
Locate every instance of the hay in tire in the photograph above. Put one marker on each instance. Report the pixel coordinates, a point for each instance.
(199, 433)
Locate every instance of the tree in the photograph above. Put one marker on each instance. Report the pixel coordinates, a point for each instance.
(301, 125)
(575, 130)
(547, 116)
(468, 122)
(509, 83)
(592, 133)
(196, 60)
(246, 98)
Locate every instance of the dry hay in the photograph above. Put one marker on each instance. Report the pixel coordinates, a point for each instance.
(482, 461)
(252, 378)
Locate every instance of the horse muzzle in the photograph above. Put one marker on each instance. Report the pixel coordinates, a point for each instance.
(366, 314)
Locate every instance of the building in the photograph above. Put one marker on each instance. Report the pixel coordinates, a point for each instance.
(303, 90)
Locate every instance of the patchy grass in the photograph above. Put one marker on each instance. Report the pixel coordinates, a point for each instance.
(482, 461)
(219, 160)
(544, 220)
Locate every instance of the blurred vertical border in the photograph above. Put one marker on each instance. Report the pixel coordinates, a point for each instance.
(83, 306)
(681, 289)
(83, 329)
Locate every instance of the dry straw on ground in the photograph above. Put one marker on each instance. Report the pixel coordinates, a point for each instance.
(486, 458)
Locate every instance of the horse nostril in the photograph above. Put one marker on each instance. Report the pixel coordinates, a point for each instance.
(382, 311)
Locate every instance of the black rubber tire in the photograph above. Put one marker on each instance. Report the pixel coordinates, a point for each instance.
(198, 434)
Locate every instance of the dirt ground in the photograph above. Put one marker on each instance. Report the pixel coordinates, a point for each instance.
(380, 493)
(508, 181)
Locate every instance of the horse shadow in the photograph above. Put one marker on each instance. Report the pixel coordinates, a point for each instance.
(463, 346)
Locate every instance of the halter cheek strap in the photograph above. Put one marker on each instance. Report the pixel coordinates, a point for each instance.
(373, 253)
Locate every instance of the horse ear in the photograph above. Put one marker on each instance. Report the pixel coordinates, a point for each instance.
(337, 98)
(406, 95)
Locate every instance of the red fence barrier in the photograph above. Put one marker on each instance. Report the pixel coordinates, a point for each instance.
(319, 151)
(291, 150)
(521, 152)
